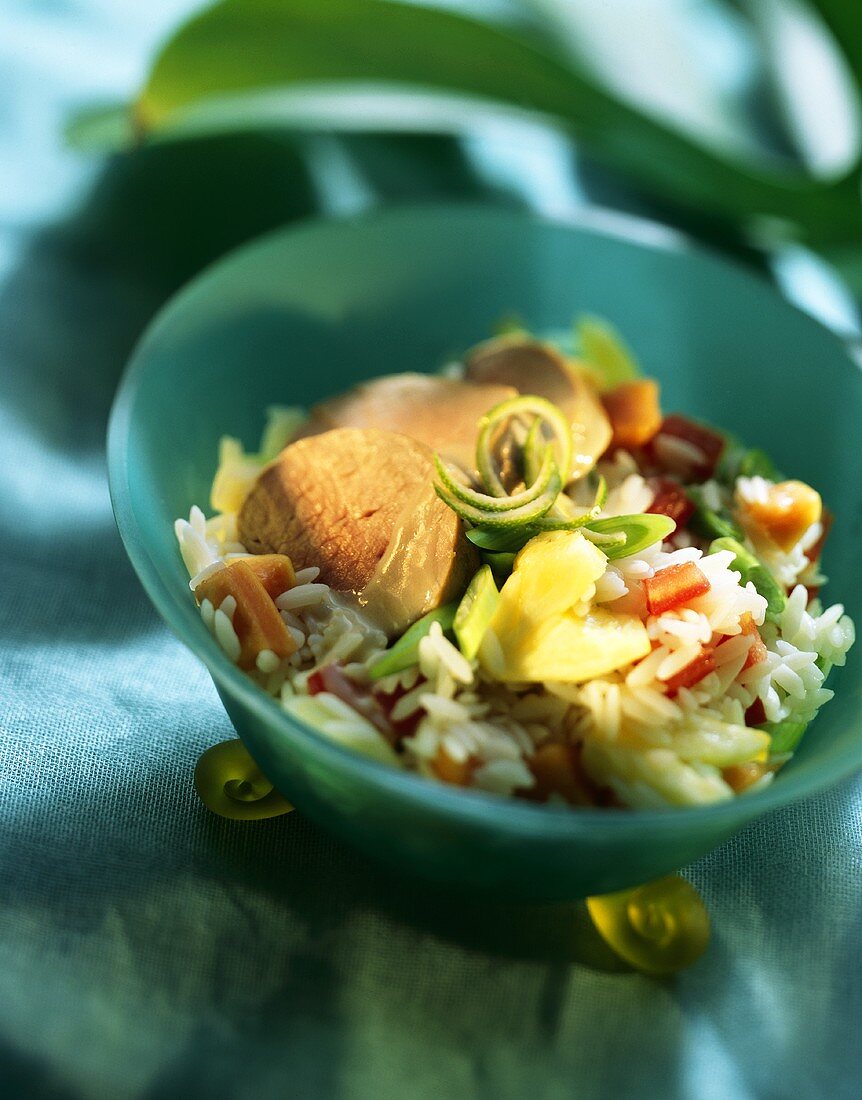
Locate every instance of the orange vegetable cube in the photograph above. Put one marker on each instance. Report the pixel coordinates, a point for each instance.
(456, 772)
(557, 769)
(787, 513)
(741, 776)
(674, 585)
(634, 412)
(257, 622)
(275, 571)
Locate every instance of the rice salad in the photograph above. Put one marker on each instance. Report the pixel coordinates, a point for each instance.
(522, 576)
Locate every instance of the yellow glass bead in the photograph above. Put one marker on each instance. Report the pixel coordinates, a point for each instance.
(660, 927)
(229, 783)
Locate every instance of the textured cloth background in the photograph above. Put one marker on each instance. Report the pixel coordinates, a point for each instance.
(150, 950)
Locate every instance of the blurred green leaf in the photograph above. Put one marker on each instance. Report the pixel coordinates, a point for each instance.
(228, 66)
(844, 20)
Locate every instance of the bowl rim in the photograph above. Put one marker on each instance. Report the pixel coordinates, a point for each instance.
(473, 806)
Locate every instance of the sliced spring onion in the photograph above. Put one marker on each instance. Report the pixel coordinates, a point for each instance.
(405, 653)
(738, 461)
(516, 517)
(547, 480)
(785, 736)
(752, 569)
(475, 612)
(519, 406)
(501, 561)
(709, 522)
(603, 349)
(500, 542)
(640, 531)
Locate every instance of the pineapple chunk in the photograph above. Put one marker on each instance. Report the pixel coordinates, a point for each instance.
(538, 634)
(552, 573)
(570, 648)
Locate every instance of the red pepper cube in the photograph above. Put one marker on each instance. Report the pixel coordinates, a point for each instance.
(708, 443)
(333, 679)
(674, 585)
(693, 672)
(758, 650)
(756, 713)
(670, 500)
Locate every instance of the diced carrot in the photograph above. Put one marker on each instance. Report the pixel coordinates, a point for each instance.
(756, 713)
(634, 412)
(456, 772)
(257, 622)
(275, 571)
(741, 776)
(707, 444)
(674, 585)
(670, 500)
(693, 672)
(788, 511)
(334, 680)
(813, 552)
(558, 770)
(758, 650)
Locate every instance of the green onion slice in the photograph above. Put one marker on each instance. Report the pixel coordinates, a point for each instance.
(751, 568)
(475, 612)
(539, 407)
(405, 653)
(506, 520)
(785, 736)
(640, 531)
(547, 480)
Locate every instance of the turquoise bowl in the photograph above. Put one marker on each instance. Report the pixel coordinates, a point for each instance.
(307, 311)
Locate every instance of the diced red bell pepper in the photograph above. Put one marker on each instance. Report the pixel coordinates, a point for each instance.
(674, 585)
(756, 713)
(758, 650)
(693, 672)
(670, 500)
(709, 443)
(333, 679)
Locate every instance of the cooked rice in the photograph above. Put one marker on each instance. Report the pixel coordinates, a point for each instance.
(649, 749)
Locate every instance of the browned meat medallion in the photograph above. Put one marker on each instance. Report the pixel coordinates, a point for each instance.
(442, 413)
(360, 503)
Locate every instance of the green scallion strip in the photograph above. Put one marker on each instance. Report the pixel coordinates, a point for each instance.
(751, 568)
(547, 480)
(519, 406)
(507, 520)
(640, 531)
(404, 653)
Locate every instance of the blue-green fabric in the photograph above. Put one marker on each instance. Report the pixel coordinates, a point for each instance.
(150, 950)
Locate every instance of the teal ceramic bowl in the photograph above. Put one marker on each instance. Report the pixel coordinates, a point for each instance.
(306, 312)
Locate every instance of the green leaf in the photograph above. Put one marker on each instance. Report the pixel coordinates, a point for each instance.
(844, 20)
(236, 62)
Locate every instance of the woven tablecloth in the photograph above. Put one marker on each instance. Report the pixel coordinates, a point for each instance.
(148, 949)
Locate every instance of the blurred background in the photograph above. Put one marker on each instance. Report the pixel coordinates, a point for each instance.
(147, 949)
